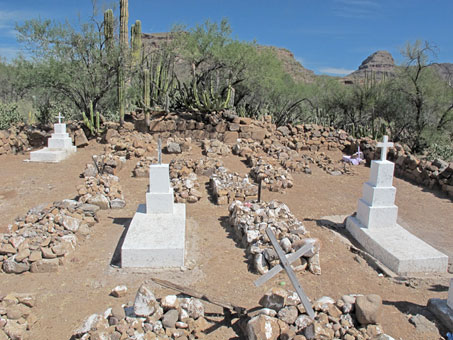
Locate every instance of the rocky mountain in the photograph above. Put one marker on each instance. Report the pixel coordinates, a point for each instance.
(291, 65)
(376, 67)
(445, 71)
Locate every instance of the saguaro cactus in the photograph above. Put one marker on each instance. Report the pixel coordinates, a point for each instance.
(108, 29)
(146, 94)
(136, 42)
(124, 16)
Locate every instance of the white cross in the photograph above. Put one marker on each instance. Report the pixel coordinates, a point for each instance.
(59, 117)
(384, 146)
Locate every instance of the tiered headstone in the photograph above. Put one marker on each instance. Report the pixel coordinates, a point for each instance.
(59, 145)
(156, 235)
(375, 226)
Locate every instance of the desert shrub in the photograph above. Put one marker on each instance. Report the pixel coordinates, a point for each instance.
(9, 115)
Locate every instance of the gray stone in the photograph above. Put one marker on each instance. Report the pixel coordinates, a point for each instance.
(288, 314)
(11, 266)
(80, 139)
(274, 299)
(89, 208)
(71, 223)
(117, 203)
(284, 130)
(100, 200)
(170, 318)
(422, 324)
(173, 147)
(442, 312)
(303, 321)
(368, 309)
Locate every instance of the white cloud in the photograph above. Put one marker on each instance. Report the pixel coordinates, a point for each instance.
(336, 71)
(355, 8)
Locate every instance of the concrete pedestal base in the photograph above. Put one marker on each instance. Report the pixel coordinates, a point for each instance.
(155, 240)
(48, 155)
(398, 249)
(442, 312)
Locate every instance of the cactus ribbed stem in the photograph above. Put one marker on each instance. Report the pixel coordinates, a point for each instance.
(136, 41)
(108, 29)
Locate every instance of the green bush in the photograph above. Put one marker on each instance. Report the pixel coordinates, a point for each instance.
(9, 115)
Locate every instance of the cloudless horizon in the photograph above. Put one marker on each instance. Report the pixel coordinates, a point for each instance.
(329, 37)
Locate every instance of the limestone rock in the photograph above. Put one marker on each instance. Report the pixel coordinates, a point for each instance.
(145, 303)
(119, 291)
(368, 309)
(263, 327)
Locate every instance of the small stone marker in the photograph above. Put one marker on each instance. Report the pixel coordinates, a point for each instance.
(59, 145)
(286, 264)
(450, 295)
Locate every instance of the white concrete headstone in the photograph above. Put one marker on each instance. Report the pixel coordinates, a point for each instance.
(376, 208)
(159, 199)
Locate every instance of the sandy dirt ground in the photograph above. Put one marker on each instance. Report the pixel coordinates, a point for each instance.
(215, 264)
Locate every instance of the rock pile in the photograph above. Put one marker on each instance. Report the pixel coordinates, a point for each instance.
(142, 167)
(16, 315)
(171, 317)
(129, 144)
(13, 140)
(39, 241)
(178, 145)
(214, 147)
(249, 221)
(185, 181)
(104, 164)
(273, 178)
(227, 187)
(351, 317)
(103, 191)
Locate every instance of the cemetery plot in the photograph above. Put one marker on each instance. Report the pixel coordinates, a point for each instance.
(40, 240)
(103, 191)
(170, 317)
(183, 174)
(250, 221)
(274, 178)
(284, 317)
(227, 187)
(16, 315)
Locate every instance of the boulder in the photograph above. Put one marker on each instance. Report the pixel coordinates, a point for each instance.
(80, 139)
(368, 309)
(263, 327)
(145, 303)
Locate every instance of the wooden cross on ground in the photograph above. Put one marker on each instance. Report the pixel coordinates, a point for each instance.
(384, 146)
(59, 117)
(159, 151)
(285, 263)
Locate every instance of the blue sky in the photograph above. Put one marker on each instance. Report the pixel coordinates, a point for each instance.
(326, 36)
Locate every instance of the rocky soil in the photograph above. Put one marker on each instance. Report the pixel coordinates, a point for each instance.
(215, 264)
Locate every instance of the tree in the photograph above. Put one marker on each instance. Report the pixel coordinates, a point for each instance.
(69, 62)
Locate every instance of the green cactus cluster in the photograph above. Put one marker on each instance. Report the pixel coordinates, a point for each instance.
(93, 125)
(136, 42)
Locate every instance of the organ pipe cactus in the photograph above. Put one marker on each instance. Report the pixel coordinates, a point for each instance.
(136, 42)
(108, 29)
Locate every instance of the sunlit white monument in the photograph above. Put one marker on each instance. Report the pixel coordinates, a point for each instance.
(375, 225)
(59, 146)
(156, 235)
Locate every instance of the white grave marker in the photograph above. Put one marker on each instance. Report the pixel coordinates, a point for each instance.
(375, 225)
(156, 235)
(59, 145)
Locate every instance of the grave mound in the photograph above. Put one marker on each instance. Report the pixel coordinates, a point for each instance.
(249, 221)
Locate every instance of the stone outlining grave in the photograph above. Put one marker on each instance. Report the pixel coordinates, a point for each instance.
(58, 148)
(171, 317)
(40, 240)
(156, 235)
(375, 225)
